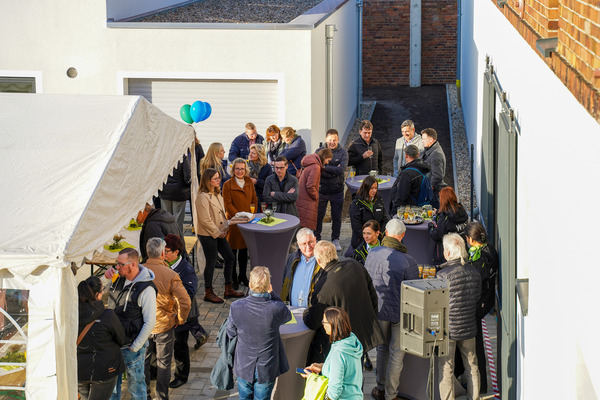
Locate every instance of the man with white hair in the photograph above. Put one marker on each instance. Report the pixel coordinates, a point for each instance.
(301, 270)
(345, 284)
(464, 287)
(389, 265)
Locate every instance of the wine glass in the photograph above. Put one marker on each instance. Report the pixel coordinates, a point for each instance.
(274, 207)
(252, 208)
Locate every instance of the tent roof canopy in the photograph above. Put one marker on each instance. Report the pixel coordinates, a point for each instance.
(75, 168)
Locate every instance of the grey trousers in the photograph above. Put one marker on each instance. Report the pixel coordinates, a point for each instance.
(177, 208)
(446, 369)
(160, 345)
(390, 359)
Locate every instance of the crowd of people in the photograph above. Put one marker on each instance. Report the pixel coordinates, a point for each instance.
(352, 302)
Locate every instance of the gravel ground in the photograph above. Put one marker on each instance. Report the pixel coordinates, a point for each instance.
(460, 150)
(235, 11)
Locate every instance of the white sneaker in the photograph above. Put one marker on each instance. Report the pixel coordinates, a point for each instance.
(336, 243)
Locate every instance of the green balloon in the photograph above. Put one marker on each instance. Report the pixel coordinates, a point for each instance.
(185, 114)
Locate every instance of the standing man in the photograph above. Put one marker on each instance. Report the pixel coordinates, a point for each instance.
(345, 284)
(389, 265)
(282, 188)
(240, 147)
(435, 157)
(133, 297)
(464, 287)
(407, 187)
(408, 137)
(173, 306)
(365, 152)
(301, 271)
(332, 188)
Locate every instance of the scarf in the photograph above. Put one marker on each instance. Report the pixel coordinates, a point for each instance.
(255, 169)
(393, 243)
(475, 252)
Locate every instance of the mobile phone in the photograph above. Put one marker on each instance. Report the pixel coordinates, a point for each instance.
(300, 371)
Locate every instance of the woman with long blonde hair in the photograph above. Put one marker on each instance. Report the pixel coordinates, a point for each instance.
(215, 158)
(259, 168)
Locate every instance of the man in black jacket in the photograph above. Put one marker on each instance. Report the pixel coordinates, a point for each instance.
(407, 186)
(464, 286)
(435, 157)
(158, 223)
(345, 284)
(332, 187)
(282, 188)
(365, 152)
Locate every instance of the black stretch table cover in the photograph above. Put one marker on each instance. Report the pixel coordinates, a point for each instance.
(269, 245)
(296, 341)
(419, 243)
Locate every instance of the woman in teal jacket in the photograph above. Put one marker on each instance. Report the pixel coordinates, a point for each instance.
(342, 366)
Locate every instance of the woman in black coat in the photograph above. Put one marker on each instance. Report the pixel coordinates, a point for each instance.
(367, 205)
(451, 217)
(99, 359)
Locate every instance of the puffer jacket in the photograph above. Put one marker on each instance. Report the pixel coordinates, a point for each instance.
(361, 211)
(240, 147)
(99, 353)
(308, 198)
(332, 177)
(447, 222)
(389, 265)
(294, 153)
(464, 286)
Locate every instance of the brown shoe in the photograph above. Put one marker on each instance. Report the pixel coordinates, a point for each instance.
(230, 292)
(211, 297)
(378, 394)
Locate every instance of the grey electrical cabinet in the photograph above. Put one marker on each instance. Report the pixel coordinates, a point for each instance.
(424, 313)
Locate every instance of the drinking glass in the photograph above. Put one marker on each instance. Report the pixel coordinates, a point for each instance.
(274, 207)
(263, 206)
(406, 211)
(352, 173)
(370, 148)
(411, 215)
(252, 208)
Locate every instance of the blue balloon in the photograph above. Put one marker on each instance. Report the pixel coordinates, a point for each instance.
(208, 109)
(197, 111)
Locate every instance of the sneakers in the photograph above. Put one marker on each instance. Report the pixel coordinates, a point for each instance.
(336, 243)
(378, 394)
(201, 341)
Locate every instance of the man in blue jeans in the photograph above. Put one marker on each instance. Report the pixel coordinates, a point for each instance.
(133, 297)
(332, 188)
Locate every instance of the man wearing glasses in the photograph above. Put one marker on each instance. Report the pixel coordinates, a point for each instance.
(281, 188)
(133, 297)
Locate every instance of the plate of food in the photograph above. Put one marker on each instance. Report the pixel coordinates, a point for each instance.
(416, 221)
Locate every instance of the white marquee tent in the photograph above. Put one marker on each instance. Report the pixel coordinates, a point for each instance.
(73, 170)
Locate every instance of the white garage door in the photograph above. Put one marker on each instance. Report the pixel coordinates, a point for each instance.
(233, 102)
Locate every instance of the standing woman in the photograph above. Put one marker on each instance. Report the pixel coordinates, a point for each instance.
(371, 231)
(295, 150)
(367, 205)
(485, 258)
(238, 194)
(99, 359)
(215, 159)
(310, 180)
(275, 144)
(260, 169)
(342, 366)
(212, 230)
(451, 217)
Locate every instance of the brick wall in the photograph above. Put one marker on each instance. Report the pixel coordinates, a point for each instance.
(576, 23)
(386, 42)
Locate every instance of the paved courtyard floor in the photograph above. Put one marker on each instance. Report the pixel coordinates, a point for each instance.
(211, 318)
